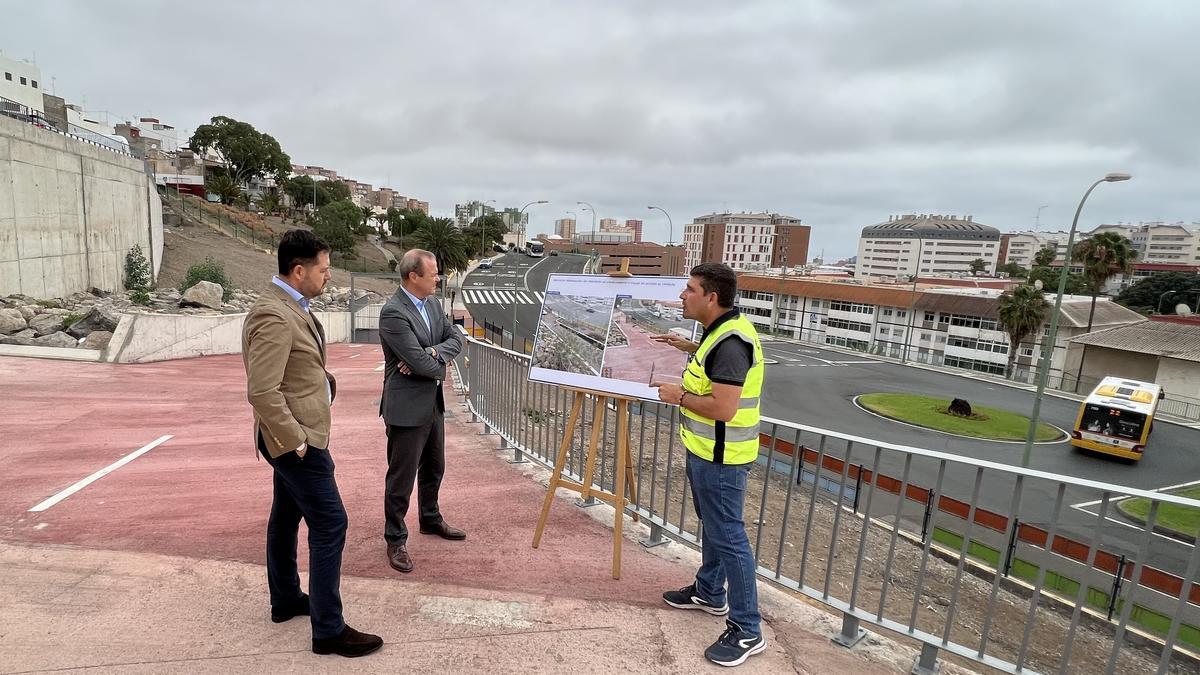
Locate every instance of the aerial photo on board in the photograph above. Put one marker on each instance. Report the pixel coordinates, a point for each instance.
(632, 354)
(571, 334)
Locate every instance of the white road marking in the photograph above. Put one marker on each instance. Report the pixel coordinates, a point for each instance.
(101, 473)
(1119, 498)
(1132, 527)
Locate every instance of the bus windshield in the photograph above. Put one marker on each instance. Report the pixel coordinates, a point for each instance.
(1102, 419)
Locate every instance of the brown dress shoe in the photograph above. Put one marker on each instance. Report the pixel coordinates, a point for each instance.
(350, 643)
(398, 558)
(444, 531)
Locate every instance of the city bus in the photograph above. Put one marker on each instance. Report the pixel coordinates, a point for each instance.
(534, 248)
(1117, 417)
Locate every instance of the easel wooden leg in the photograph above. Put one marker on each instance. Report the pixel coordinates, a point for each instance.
(561, 462)
(593, 444)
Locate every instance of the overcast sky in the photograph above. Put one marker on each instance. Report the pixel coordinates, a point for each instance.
(839, 113)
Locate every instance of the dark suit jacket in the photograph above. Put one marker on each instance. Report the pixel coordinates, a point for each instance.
(410, 400)
(283, 350)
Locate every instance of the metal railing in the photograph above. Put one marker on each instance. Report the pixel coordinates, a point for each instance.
(23, 113)
(902, 538)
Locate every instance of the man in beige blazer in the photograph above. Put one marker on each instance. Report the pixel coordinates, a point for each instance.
(283, 348)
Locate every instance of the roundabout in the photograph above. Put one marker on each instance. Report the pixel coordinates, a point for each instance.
(933, 413)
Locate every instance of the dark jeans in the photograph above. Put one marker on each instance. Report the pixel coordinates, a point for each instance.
(413, 453)
(719, 492)
(305, 488)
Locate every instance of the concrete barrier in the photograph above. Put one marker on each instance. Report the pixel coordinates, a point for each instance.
(144, 338)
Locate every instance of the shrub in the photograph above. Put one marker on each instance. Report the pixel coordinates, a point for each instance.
(209, 270)
(137, 270)
(140, 297)
(335, 225)
(71, 319)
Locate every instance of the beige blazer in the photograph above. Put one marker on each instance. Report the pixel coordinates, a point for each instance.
(283, 349)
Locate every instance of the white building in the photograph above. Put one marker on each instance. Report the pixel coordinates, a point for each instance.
(745, 241)
(1023, 247)
(945, 245)
(20, 83)
(1163, 243)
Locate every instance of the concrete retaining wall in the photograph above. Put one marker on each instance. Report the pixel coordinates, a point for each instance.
(143, 338)
(69, 212)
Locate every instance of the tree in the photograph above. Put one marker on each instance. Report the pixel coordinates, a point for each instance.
(225, 188)
(1049, 277)
(405, 221)
(364, 226)
(1160, 290)
(303, 190)
(1013, 270)
(484, 231)
(1103, 256)
(335, 225)
(1045, 256)
(245, 152)
(441, 238)
(1022, 310)
(138, 274)
(269, 203)
(977, 265)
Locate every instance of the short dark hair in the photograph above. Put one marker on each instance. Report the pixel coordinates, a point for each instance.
(299, 247)
(717, 278)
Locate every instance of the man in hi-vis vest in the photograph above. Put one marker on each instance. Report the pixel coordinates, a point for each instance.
(718, 405)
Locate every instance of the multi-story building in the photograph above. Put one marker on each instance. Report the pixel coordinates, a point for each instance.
(1023, 247)
(952, 326)
(926, 244)
(635, 226)
(465, 214)
(608, 224)
(1166, 243)
(20, 86)
(565, 228)
(382, 198)
(746, 240)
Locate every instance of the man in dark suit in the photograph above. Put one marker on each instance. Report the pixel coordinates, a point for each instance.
(418, 341)
(283, 348)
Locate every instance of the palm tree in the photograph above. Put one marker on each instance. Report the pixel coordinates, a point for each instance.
(225, 188)
(269, 203)
(1103, 255)
(1045, 256)
(444, 240)
(1022, 310)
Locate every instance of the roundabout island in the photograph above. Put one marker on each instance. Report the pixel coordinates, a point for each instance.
(949, 416)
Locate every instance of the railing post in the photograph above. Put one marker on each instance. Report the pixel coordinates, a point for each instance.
(1116, 588)
(927, 662)
(851, 633)
(1012, 547)
(656, 537)
(927, 516)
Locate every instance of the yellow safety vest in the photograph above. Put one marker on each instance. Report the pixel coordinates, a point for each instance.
(735, 441)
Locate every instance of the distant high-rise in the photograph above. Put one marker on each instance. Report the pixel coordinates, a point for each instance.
(926, 244)
(565, 228)
(746, 240)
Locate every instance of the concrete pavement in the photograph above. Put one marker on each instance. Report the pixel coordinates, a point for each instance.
(157, 566)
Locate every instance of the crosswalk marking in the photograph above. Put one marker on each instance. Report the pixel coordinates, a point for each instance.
(478, 296)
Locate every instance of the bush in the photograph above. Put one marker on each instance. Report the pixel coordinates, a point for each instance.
(137, 270)
(140, 297)
(209, 270)
(335, 225)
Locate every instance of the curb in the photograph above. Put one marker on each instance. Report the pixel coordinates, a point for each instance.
(1065, 436)
(1159, 528)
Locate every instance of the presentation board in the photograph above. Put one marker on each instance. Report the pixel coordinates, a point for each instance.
(595, 332)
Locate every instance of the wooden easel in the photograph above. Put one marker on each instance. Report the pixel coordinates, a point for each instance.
(625, 481)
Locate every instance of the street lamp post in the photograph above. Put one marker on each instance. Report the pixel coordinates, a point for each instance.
(589, 208)
(670, 225)
(912, 305)
(1048, 344)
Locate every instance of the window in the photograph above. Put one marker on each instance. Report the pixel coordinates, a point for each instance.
(33, 83)
(929, 316)
(8, 76)
(849, 325)
(23, 81)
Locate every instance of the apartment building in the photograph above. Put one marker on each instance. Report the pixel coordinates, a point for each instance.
(20, 85)
(746, 241)
(926, 244)
(952, 326)
(1022, 247)
(465, 214)
(565, 228)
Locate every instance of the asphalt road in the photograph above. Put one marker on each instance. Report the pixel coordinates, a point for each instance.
(817, 387)
(509, 293)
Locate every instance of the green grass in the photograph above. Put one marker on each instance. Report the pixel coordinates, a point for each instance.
(1183, 519)
(929, 412)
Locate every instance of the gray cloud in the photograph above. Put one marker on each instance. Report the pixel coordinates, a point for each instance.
(836, 112)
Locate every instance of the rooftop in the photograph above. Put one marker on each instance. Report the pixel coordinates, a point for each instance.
(1160, 338)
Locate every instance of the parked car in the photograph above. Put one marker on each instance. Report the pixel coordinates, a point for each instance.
(553, 252)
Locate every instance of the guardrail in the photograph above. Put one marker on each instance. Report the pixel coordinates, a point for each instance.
(880, 533)
(23, 113)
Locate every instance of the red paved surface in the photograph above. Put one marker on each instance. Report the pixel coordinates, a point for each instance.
(205, 494)
(642, 356)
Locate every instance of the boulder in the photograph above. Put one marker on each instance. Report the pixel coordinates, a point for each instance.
(11, 321)
(27, 333)
(203, 294)
(28, 311)
(46, 324)
(99, 292)
(19, 340)
(59, 339)
(97, 319)
(960, 407)
(97, 339)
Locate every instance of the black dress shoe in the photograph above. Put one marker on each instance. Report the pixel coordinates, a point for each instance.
(350, 643)
(398, 558)
(444, 531)
(290, 610)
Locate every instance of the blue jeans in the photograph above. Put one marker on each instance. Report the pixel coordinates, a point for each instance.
(719, 492)
(305, 488)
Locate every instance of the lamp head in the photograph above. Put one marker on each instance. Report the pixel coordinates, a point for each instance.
(1037, 283)
(1116, 177)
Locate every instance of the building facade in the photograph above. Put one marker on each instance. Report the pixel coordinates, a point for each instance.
(926, 244)
(20, 84)
(565, 228)
(645, 258)
(746, 241)
(1023, 247)
(950, 326)
(465, 214)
